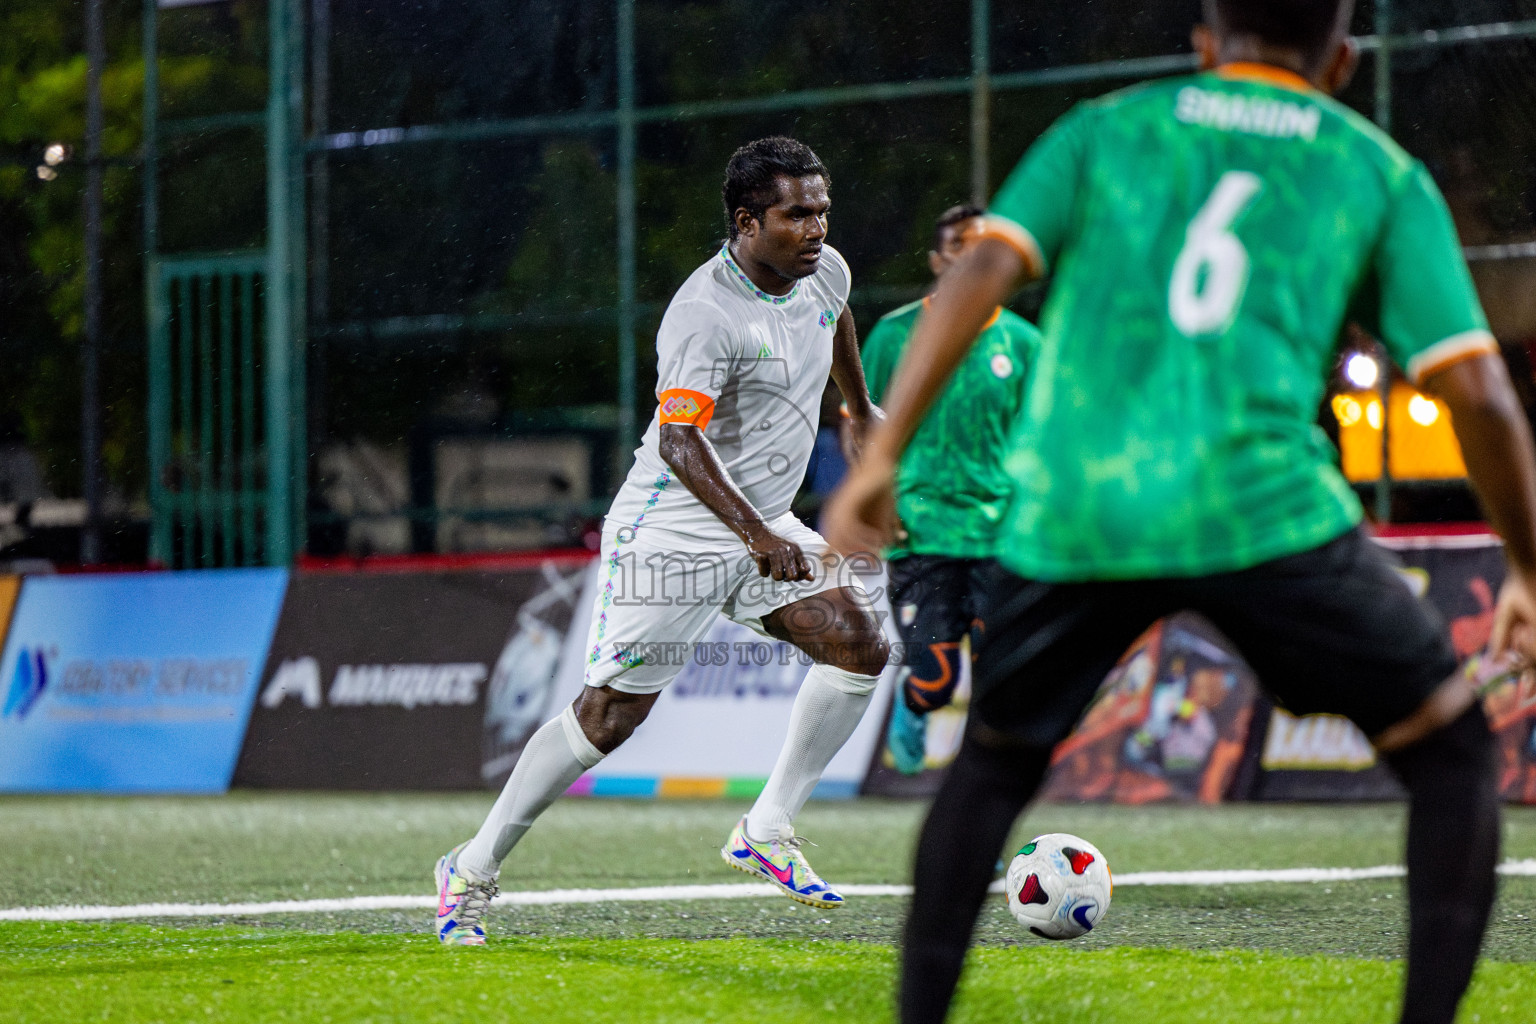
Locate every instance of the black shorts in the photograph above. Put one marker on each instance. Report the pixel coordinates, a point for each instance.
(934, 596)
(1335, 629)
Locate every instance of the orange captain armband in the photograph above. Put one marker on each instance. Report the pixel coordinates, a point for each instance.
(679, 405)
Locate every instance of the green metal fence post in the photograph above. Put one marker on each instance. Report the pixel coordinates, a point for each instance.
(279, 297)
(226, 476)
(154, 299)
(183, 503)
(249, 543)
(981, 99)
(626, 232)
(206, 493)
(298, 269)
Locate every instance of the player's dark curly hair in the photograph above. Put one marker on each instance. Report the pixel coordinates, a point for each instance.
(1305, 25)
(752, 176)
(953, 215)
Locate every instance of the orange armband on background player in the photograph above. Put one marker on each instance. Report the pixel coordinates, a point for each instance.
(679, 405)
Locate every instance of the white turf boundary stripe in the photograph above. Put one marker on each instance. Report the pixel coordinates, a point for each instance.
(673, 893)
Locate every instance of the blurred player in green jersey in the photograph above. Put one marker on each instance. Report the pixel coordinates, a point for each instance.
(1208, 237)
(952, 491)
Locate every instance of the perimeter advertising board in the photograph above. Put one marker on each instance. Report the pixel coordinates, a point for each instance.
(1323, 757)
(10, 590)
(409, 680)
(1169, 723)
(1159, 729)
(133, 683)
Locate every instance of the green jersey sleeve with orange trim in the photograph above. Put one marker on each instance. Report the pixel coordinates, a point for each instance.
(1207, 238)
(1040, 194)
(1429, 314)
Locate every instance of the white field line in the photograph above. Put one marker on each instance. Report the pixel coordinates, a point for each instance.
(675, 893)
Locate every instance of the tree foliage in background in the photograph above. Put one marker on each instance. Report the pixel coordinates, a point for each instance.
(42, 99)
(42, 275)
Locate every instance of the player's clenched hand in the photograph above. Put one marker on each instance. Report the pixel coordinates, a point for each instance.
(1514, 617)
(860, 517)
(777, 556)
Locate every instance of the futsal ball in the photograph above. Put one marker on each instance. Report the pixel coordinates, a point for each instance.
(1058, 886)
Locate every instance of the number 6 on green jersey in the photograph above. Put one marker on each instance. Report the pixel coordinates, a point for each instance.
(1208, 237)
(1211, 272)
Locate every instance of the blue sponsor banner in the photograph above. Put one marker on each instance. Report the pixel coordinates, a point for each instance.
(133, 683)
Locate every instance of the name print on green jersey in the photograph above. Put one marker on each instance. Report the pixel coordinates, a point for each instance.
(1252, 115)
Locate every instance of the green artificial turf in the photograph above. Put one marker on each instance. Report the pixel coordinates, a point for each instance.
(261, 846)
(1163, 953)
(139, 973)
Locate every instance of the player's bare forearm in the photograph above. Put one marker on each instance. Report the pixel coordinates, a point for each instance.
(983, 277)
(690, 455)
(688, 452)
(848, 370)
(1496, 444)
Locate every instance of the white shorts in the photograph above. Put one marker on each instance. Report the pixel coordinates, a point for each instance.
(659, 593)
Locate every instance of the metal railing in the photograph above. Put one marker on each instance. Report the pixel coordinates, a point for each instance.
(210, 483)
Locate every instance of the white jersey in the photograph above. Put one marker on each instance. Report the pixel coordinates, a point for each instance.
(749, 368)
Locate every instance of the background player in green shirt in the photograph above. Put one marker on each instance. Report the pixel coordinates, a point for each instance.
(952, 490)
(1208, 237)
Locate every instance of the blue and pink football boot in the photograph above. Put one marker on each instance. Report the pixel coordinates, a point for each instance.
(461, 902)
(779, 861)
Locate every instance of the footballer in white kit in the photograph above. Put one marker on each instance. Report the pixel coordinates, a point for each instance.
(702, 527)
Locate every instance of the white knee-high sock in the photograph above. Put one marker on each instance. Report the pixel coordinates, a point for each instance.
(554, 758)
(827, 710)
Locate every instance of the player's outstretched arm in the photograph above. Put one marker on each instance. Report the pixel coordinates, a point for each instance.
(861, 516)
(1501, 462)
(848, 375)
(696, 463)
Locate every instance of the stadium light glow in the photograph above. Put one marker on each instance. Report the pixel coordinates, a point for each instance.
(54, 154)
(1373, 415)
(1346, 410)
(1362, 370)
(1423, 411)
